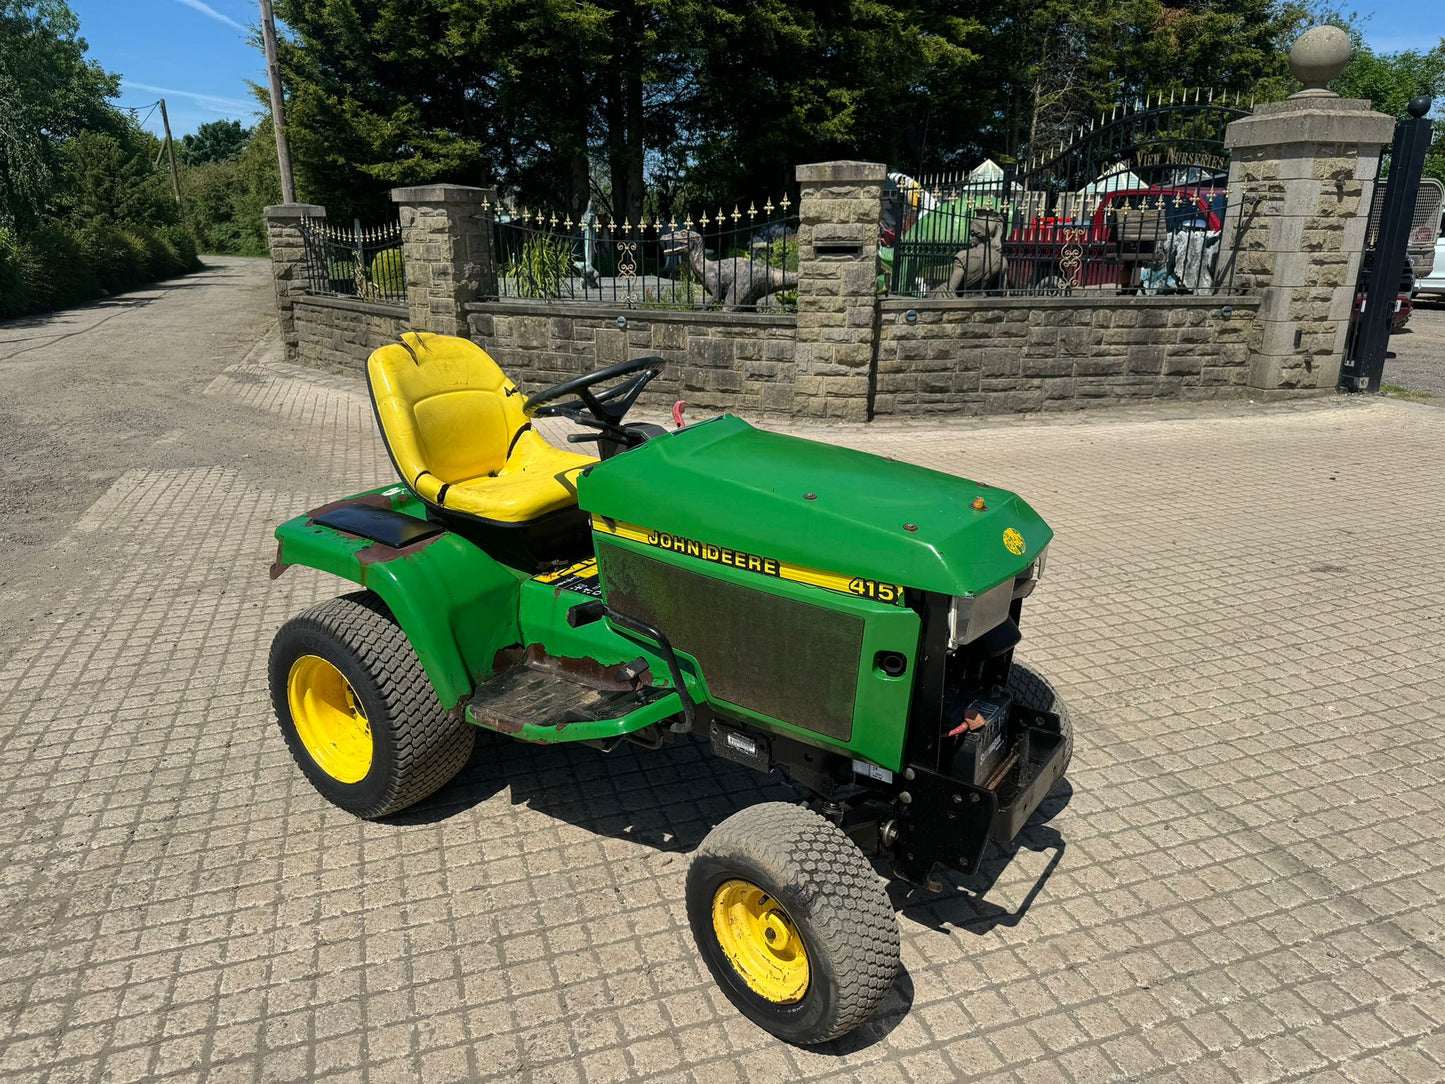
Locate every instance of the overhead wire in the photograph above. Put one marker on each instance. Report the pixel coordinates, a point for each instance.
(134, 111)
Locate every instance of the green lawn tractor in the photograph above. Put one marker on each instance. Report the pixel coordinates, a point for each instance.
(844, 619)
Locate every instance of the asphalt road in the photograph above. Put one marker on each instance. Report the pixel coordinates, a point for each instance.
(89, 392)
(117, 386)
(1418, 361)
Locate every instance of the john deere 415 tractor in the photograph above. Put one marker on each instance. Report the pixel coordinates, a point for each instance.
(842, 618)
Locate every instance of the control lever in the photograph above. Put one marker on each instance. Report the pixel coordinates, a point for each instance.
(586, 613)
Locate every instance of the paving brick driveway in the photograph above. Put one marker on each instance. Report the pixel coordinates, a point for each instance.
(1244, 606)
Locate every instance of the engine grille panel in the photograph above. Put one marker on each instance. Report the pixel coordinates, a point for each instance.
(791, 660)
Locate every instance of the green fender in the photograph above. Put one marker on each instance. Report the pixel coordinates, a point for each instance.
(457, 605)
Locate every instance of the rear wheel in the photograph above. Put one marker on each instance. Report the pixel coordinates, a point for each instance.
(1031, 689)
(792, 921)
(357, 710)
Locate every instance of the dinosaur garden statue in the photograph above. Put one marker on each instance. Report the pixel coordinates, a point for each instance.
(740, 282)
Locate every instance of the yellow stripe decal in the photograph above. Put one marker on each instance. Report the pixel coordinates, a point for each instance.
(752, 562)
(585, 570)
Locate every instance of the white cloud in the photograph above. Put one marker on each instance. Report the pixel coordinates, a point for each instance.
(210, 12)
(211, 103)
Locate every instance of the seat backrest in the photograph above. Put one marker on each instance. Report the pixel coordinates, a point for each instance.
(446, 409)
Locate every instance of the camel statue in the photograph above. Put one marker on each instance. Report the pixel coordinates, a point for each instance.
(738, 283)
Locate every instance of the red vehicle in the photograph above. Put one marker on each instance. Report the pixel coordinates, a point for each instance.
(1404, 298)
(1128, 231)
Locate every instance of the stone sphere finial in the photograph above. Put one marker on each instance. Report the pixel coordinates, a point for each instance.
(1419, 106)
(1319, 55)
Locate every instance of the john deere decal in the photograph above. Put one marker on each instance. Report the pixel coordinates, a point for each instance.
(891, 593)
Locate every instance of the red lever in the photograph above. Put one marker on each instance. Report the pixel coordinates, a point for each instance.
(677, 409)
(972, 720)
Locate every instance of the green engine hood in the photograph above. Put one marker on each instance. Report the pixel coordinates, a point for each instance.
(725, 483)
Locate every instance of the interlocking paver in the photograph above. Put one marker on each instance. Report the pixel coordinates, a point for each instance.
(1241, 882)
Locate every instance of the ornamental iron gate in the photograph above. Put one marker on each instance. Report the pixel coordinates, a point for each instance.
(1131, 203)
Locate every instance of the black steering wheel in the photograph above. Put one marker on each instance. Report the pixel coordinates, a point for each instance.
(609, 406)
(604, 410)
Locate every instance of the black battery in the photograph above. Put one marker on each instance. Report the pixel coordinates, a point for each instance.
(984, 726)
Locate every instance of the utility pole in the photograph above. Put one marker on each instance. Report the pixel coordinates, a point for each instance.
(171, 151)
(278, 116)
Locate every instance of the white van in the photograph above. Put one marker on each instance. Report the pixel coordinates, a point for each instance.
(1429, 273)
(1433, 284)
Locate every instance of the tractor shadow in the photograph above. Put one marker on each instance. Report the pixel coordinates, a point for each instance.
(668, 799)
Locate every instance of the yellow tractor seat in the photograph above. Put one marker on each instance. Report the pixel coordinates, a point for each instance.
(454, 426)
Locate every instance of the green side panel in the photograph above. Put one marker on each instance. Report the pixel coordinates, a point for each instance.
(544, 621)
(790, 657)
(457, 606)
(819, 506)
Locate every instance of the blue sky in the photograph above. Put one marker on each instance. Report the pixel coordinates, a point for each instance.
(195, 52)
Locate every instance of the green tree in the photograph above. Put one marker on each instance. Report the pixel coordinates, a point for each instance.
(214, 141)
(1389, 80)
(1082, 57)
(388, 92)
(49, 92)
(566, 100)
(225, 199)
(107, 176)
(626, 101)
(779, 83)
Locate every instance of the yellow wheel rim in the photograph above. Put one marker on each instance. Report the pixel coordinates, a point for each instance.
(329, 719)
(760, 941)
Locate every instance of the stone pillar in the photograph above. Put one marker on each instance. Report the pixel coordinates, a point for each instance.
(1300, 184)
(288, 263)
(446, 241)
(839, 212)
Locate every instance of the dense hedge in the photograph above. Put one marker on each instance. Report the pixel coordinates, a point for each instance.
(57, 265)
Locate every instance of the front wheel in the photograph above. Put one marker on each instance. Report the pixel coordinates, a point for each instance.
(1031, 689)
(357, 710)
(793, 923)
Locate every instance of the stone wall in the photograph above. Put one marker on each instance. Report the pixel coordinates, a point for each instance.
(715, 360)
(1004, 356)
(1300, 181)
(446, 243)
(838, 211)
(1299, 188)
(338, 332)
(287, 244)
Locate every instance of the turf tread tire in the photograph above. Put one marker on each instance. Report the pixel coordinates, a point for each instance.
(1031, 689)
(425, 746)
(829, 890)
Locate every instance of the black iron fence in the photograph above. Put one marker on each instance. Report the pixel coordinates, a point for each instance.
(364, 262)
(745, 261)
(988, 240)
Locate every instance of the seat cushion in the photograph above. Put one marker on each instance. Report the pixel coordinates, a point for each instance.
(536, 479)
